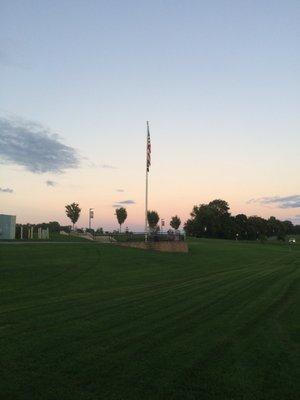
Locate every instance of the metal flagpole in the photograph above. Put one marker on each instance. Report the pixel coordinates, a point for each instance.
(146, 196)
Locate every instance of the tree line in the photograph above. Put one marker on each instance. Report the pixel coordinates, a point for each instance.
(214, 220)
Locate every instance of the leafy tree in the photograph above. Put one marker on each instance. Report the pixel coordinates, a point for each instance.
(214, 220)
(275, 227)
(121, 214)
(200, 223)
(175, 222)
(288, 227)
(296, 230)
(241, 226)
(210, 220)
(258, 227)
(73, 212)
(220, 206)
(54, 226)
(153, 219)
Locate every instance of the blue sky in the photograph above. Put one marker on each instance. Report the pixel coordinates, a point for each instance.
(219, 82)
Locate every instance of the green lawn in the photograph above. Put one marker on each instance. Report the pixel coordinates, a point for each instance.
(89, 321)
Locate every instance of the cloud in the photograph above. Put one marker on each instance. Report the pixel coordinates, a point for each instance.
(104, 166)
(6, 190)
(124, 202)
(120, 190)
(34, 147)
(51, 183)
(282, 202)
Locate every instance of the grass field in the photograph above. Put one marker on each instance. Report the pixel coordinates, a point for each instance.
(89, 321)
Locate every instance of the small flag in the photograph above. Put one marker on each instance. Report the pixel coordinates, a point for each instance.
(148, 148)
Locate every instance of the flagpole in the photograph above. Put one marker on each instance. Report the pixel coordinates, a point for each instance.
(146, 195)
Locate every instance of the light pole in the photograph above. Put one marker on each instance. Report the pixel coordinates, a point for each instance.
(91, 215)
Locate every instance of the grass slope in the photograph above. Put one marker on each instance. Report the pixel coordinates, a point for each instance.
(90, 321)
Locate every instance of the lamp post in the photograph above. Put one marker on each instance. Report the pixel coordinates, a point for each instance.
(91, 215)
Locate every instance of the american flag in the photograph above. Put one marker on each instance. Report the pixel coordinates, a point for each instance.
(148, 148)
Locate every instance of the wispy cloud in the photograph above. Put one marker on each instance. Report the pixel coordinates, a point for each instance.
(6, 190)
(34, 147)
(126, 202)
(51, 183)
(120, 190)
(282, 202)
(104, 166)
(123, 202)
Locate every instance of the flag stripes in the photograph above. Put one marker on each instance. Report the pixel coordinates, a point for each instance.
(148, 148)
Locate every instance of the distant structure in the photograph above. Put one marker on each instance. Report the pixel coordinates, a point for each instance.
(7, 227)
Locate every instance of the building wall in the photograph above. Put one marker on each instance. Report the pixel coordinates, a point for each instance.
(7, 226)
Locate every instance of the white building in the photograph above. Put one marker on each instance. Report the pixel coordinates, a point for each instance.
(7, 226)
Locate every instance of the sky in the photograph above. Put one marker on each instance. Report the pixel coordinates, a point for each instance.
(219, 82)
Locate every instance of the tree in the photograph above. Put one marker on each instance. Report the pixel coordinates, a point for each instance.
(220, 206)
(241, 226)
(210, 220)
(175, 222)
(73, 212)
(201, 222)
(288, 227)
(214, 220)
(258, 227)
(275, 227)
(121, 214)
(153, 219)
(54, 226)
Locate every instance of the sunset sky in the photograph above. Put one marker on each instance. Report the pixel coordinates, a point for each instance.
(219, 82)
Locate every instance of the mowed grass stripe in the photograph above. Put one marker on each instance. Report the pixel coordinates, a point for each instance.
(132, 298)
(157, 309)
(108, 322)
